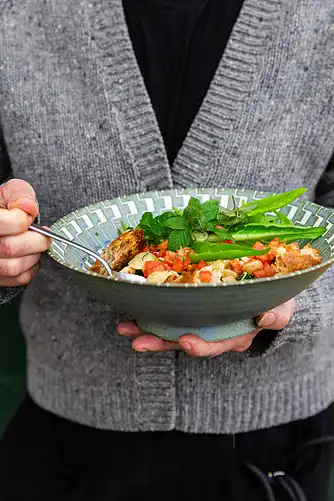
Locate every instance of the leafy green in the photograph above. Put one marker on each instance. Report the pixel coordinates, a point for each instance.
(210, 210)
(154, 230)
(200, 216)
(207, 223)
(283, 218)
(237, 215)
(246, 276)
(221, 233)
(176, 223)
(266, 232)
(270, 204)
(124, 227)
(178, 239)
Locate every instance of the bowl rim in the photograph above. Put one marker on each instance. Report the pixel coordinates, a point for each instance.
(324, 264)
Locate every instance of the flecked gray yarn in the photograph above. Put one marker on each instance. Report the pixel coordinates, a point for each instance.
(78, 124)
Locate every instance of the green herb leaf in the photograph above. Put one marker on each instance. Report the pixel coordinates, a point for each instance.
(264, 233)
(176, 223)
(193, 209)
(270, 204)
(223, 234)
(246, 276)
(154, 230)
(178, 239)
(261, 219)
(283, 218)
(210, 210)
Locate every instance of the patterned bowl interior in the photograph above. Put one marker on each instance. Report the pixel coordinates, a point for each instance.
(94, 226)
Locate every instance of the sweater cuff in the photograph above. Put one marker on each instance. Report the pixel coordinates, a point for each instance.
(315, 304)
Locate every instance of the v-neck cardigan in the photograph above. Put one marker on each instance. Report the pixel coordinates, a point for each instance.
(79, 125)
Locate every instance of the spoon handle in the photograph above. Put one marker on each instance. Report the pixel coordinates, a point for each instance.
(59, 238)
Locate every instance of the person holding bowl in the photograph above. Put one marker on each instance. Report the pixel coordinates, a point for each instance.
(103, 99)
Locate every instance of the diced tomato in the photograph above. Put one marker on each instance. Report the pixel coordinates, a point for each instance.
(201, 265)
(151, 266)
(258, 246)
(269, 270)
(145, 249)
(236, 265)
(219, 227)
(186, 263)
(265, 258)
(163, 245)
(259, 273)
(162, 248)
(228, 241)
(178, 266)
(170, 256)
(205, 276)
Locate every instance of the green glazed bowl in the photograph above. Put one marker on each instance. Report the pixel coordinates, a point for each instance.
(213, 312)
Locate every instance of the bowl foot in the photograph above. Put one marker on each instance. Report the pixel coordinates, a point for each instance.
(208, 332)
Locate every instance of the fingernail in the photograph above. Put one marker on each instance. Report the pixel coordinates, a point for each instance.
(141, 349)
(267, 320)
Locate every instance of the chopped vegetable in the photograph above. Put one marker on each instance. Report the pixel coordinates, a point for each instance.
(205, 276)
(152, 266)
(139, 261)
(206, 243)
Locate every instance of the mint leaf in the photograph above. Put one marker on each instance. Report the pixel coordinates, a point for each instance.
(152, 227)
(176, 223)
(210, 210)
(178, 239)
(193, 211)
(146, 220)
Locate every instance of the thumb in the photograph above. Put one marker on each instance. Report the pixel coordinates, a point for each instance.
(279, 317)
(18, 194)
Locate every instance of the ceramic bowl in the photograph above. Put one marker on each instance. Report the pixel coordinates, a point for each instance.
(213, 312)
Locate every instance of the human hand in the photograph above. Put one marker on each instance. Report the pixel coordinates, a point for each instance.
(20, 249)
(275, 319)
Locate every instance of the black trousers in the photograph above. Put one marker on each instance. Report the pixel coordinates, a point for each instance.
(46, 458)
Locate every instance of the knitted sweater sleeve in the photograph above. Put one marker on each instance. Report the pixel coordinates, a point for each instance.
(6, 293)
(316, 301)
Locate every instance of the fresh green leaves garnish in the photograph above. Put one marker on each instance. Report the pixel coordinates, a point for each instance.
(266, 232)
(208, 224)
(200, 216)
(246, 276)
(178, 239)
(124, 227)
(270, 204)
(169, 225)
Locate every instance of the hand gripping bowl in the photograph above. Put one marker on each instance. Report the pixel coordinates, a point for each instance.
(213, 312)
